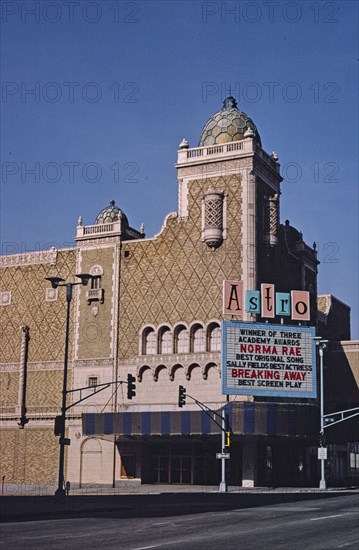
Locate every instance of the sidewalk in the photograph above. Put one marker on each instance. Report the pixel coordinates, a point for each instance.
(131, 487)
(161, 489)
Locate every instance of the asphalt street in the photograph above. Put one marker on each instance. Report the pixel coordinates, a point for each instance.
(328, 524)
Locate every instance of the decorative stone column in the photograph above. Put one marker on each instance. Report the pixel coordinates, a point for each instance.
(21, 400)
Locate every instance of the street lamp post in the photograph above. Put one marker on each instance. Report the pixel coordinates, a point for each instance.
(322, 344)
(56, 282)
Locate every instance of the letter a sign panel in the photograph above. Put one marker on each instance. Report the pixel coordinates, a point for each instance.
(232, 298)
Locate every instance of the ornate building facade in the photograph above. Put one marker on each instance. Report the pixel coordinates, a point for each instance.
(154, 309)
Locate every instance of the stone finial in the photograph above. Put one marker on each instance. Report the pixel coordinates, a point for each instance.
(248, 133)
(229, 102)
(275, 156)
(184, 144)
(80, 221)
(142, 228)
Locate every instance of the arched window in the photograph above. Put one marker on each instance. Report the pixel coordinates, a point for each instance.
(96, 271)
(141, 372)
(158, 370)
(191, 369)
(96, 283)
(165, 341)
(176, 369)
(181, 339)
(96, 292)
(210, 370)
(92, 381)
(214, 337)
(197, 338)
(149, 346)
(91, 459)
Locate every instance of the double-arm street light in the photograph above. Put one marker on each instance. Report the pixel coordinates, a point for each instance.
(56, 282)
(322, 344)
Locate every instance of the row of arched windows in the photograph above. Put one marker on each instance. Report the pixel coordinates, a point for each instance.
(181, 339)
(165, 371)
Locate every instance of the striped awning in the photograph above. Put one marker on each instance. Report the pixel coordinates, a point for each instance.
(244, 418)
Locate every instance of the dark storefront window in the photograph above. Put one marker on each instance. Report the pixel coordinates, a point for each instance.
(188, 462)
(128, 466)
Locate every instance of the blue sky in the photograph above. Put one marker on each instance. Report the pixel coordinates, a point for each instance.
(117, 85)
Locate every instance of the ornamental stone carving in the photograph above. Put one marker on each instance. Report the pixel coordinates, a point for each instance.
(271, 219)
(212, 232)
(244, 163)
(30, 258)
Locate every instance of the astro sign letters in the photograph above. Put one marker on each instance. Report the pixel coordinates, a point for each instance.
(266, 302)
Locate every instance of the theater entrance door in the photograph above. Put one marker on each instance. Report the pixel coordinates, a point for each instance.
(173, 469)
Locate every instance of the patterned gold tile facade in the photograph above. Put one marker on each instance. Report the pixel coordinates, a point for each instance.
(44, 386)
(176, 277)
(9, 387)
(44, 389)
(29, 456)
(46, 320)
(94, 339)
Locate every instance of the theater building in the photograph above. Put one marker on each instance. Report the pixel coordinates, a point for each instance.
(154, 309)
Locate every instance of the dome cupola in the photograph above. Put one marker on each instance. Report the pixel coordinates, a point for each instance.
(228, 124)
(111, 214)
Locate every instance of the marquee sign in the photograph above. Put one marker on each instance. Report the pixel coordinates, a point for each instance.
(266, 302)
(268, 360)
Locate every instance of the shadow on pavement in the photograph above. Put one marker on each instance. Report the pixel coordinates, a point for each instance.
(145, 505)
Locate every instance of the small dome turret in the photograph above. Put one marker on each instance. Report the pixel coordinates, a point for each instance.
(111, 214)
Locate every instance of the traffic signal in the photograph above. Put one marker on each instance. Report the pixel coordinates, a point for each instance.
(181, 396)
(227, 434)
(59, 425)
(131, 386)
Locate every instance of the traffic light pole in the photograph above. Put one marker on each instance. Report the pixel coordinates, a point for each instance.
(223, 484)
(60, 420)
(322, 483)
(322, 344)
(224, 427)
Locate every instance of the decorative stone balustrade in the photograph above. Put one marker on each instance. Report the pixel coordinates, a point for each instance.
(96, 231)
(242, 148)
(95, 294)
